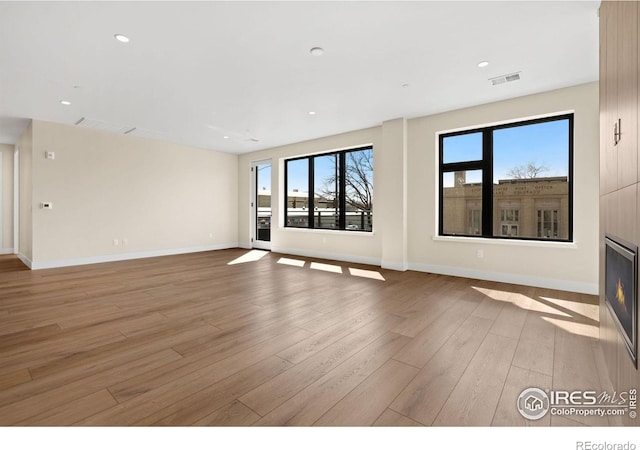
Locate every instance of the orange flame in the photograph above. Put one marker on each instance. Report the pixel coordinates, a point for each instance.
(620, 292)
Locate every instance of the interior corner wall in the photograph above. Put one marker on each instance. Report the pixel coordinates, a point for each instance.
(25, 146)
(118, 197)
(391, 216)
(555, 265)
(6, 199)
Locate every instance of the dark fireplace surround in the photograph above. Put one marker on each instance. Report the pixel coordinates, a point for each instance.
(621, 296)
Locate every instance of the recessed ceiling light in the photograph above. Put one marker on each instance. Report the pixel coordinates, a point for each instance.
(121, 38)
(483, 64)
(406, 85)
(65, 102)
(225, 137)
(312, 113)
(317, 51)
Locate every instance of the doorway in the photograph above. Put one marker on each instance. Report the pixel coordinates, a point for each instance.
(261, 205)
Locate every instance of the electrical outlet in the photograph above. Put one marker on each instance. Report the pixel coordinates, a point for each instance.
(46, 205)
(116, 242)
(124, 242)
(49, 155)
(480, 253)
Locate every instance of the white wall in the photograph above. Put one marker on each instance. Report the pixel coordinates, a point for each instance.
(405, 200)
(6, 198)
(160, 198)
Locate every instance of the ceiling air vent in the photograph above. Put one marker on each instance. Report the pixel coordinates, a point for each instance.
(121, 129)
(85, 122)
(505, 78)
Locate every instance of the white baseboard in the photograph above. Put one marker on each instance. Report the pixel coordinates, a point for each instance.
(27, 262)
(550, 283)
(525, 280)
(6, 251)
(51, 264)
(573, 286)
(402, 267)
(322, 255)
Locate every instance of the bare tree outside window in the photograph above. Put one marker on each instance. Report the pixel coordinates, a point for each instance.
(359, 179)
(526, 171)
(358, 173)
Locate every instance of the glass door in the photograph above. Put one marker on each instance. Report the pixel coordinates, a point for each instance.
(261, 203)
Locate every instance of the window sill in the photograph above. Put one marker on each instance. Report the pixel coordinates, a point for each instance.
(327, 231)
(508, 242)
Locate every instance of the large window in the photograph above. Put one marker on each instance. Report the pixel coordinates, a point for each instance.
(341, 187)
(508, 181)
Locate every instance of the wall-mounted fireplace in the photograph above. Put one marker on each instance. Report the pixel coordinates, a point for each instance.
(621, 290)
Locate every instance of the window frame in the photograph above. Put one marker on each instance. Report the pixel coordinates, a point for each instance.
(342, 202)
(486, 166)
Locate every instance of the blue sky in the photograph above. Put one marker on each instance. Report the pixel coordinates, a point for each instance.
(543, 143)
(298, 171)
(264, 177)
(298, 175)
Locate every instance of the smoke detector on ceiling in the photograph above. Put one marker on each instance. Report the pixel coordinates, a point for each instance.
(505, 78)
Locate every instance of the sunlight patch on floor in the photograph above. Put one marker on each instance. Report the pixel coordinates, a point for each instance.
(547, 309)
(581, 329)
(567, 315)
(250, 256)
(333, 268)
(372, 274)
(514, 298)
(584, 309)
(326, 267)
(291, 262)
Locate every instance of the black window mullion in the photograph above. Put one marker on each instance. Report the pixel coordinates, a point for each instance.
(570, 193)
(441, 190)
(254, 196)
(342, 196)
(286, 193)
(311, 196)
(463, 166)
(487, 183)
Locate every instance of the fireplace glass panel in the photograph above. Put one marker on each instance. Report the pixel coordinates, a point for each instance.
(620, 290)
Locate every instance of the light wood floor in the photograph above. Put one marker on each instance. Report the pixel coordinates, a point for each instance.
(191, 340)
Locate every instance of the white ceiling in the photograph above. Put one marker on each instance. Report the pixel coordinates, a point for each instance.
(195, 72)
